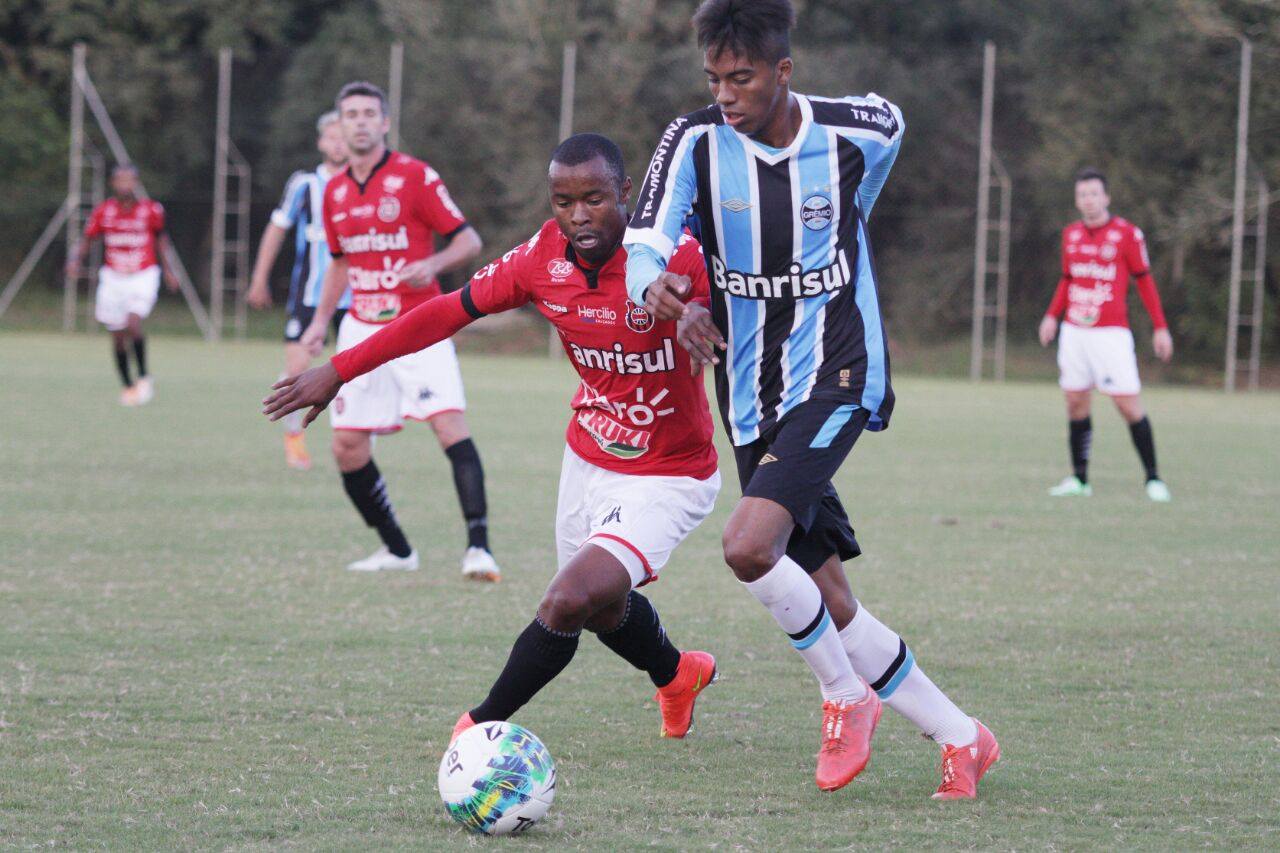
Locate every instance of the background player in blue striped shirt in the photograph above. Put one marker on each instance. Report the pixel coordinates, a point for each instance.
(299, 209)
(781, 185)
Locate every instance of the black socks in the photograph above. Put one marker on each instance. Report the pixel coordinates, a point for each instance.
(1080, 440)
(468, 479)
(1145, 443)
(538, 656)
(368, 491)
(641, 641)
(140, 353)
(122, 365)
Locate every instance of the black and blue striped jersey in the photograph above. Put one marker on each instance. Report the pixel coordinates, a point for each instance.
(784, 233)
(299, 209)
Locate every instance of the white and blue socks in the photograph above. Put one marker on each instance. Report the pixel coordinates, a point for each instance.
(796, 604)
(882, 657)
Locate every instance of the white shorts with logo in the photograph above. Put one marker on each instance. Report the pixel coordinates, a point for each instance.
(121, 294)
(1101, 357)
(417, 386)
(638, 519)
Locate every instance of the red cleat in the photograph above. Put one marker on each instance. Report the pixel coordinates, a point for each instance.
(963, 766)
(464, 722)
(697, 670)
(847, 728)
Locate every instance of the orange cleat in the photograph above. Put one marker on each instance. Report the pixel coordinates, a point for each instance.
(129, 397)
(847, 728)
(464, 722)
(963, 766)
(295, 451)
(695, 672)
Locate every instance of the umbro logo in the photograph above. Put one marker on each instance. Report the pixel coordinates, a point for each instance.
(735, 205)
(767, 458)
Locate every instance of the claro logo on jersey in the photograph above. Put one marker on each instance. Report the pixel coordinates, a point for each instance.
(1093, 269)
(622, 428)
(617, 360)
(797, 283)
(374, 240)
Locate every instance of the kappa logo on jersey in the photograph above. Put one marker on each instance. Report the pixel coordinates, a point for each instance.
(602, 316)
(393, 183)
(559, 309)
(603, 421)
(618, 360)
(816, 212)
(797, 283)
(559, 268)
(363, 211)
(638, 319)
(374, 240)
(389, 208)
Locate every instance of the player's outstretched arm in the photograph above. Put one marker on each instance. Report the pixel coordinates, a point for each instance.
(314, 388)
(268, 249)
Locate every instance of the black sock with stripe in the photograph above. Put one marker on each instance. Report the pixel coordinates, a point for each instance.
(368, 491)
(641, 641)
(1081, 441)
(468, 479)
(1144, 441)
(538, 656)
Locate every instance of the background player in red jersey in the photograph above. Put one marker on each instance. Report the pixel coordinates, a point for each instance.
(1100, 253)
(639, 470)
(381, 216)
(132, 231)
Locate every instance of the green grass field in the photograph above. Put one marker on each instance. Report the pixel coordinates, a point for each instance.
(184, 663)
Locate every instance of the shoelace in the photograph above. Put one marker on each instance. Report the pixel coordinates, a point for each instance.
(832, 727)
(949, 769)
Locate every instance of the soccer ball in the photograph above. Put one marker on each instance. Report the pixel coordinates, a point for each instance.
(497, 778)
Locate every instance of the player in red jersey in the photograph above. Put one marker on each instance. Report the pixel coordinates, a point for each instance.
(639, 470)
(1100, 254)
(381, 215)
(132, 232)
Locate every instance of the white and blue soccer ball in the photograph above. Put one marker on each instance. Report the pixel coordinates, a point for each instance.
(497, 778)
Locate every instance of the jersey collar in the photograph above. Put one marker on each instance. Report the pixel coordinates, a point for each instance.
(772, 155)
(386, 155)
(592, 274)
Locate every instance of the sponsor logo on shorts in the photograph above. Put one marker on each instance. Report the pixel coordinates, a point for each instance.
(614, 516)
(425, 394)
(766, 459)
(845, 374)
(816, 212)
(638, 319)
(339, 404)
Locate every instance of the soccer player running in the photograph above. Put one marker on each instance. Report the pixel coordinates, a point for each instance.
(299, 209)
(135, 244)
(1100, 254)
(782, 185)
(639, 470)
(380, 215)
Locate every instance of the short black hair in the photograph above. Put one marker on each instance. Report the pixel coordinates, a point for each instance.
(361, 87)
(755, 29)
(1089, 173)
(585, 147)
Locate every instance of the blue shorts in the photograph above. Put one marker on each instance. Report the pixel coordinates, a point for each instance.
(793, 464)
(300, 317)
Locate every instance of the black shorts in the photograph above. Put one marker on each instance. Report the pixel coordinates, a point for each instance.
(793, 465)
(300, 317)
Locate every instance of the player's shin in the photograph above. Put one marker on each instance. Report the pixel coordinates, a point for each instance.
(640, 640)
(122, 364)
(368, 491)
(882, 657)
(140, 353)
(468, 479)
(795, 602)
(538, 656)
(1080, 441)
(1144, 441)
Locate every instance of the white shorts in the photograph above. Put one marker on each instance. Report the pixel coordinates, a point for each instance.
(418, 386)
(638, 519)
(1101, 358)
(121, 294)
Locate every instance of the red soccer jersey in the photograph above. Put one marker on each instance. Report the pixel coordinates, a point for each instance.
(128, 233)
(379, 226)
(1097, 264)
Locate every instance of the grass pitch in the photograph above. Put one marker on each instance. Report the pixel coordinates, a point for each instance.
(184, 663)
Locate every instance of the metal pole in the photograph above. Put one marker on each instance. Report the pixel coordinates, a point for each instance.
(33, 257)
(1237, 216)
(394, 90)
(984, 209)
(218, 262)
(1259, 281)
(568, 84)
(75, 167)
(1002, 268)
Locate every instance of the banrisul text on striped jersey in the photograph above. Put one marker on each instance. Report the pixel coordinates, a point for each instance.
(795, 283)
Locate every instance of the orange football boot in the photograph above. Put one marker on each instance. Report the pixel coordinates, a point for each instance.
(295, 451)
(695, 672)
(847, 728)
(963, 766)
(464, 722)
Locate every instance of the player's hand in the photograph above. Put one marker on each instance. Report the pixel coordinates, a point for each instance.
(1162, 343)
(313, 338)
(665, 298)
(315, 388)
(259, 295)
(698, 334)
(1048, 330)
(419, 273)
(171, 281)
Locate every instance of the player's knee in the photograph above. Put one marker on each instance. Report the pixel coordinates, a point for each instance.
(748, 555)
(351, 451)
(564, 608)
(607, 618)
